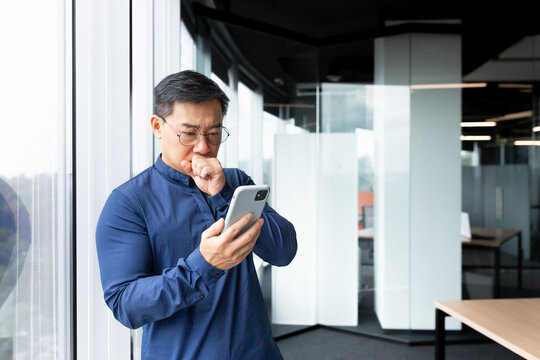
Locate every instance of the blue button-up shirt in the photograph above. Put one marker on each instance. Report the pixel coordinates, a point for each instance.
(154, 276)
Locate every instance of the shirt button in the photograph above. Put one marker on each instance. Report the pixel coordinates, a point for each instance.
(201, 297)
(217, 275)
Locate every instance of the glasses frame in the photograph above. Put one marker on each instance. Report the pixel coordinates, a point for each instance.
(179, 133)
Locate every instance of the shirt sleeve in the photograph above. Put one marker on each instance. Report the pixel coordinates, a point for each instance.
(277, 242)
(135, 295)
(219, 203)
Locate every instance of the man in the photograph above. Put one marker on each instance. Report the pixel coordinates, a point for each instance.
(165, 263)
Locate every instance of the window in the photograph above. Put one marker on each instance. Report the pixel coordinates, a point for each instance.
(35, 179)
(187, 49)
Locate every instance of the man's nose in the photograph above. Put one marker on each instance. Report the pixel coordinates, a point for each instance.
(202, 146)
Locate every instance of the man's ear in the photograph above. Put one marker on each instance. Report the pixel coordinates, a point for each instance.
(157, 124)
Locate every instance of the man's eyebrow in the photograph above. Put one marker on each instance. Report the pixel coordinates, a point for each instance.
(215, 126)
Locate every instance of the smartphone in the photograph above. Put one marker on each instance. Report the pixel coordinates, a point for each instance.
(247, 199)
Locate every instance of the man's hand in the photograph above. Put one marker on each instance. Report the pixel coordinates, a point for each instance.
(225, 251)
(206, 172)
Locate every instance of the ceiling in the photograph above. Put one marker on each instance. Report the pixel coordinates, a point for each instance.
(290, 42)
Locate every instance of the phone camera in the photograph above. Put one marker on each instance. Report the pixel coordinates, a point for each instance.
(261, 195)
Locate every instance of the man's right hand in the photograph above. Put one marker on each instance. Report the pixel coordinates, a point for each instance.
(224, 251)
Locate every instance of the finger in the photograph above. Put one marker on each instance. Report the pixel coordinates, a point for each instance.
(244, 252)
(206, 172)
(197, 164)
(250, 235)
(255, 229)
(247, 241)
(235, 228)
(214, 229)
(188, 166)
(196, 158)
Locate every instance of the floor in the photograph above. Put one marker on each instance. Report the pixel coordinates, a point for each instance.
(328, 344)
(369, 341)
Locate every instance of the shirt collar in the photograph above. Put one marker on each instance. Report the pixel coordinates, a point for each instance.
(171, 173)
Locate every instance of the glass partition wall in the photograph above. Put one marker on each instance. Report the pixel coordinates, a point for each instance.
(356, 270)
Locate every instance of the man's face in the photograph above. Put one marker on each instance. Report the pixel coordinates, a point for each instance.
(205, 116)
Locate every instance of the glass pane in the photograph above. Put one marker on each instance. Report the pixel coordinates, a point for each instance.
(348, 108)
(187, 49)
(34, 220)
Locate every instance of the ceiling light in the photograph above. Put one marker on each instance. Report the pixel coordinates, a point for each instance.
(536, 128)
(515, 86)
(425, 21)
(333, 78)
(513, 116)
(447, 86)
(478, 124)
(475, 137)
(278, 81)
(527, 142)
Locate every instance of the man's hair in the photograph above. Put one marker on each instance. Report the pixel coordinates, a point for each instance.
(186, 86)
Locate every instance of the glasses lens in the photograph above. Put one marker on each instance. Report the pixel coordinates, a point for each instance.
(217, 136)
(189, 136)
(224, 134)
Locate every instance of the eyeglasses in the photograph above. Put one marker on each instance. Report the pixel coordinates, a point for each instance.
(191, 135)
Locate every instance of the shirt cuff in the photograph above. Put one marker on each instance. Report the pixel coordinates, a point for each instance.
(221, 200)
(206, 271)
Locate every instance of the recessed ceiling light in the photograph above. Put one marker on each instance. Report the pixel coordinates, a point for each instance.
(475, 137)
(515, 86)
(478, 124)
(527, 142)
(333, 77)
(447, 86)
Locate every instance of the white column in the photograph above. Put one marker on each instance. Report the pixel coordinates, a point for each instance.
(166, 45)
(417, 179)
(102, 160)
(142, 92)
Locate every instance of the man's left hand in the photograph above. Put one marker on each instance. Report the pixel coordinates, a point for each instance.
(206, 172)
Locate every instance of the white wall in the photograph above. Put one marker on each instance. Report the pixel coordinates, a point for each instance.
(392, 206)
(315, 187)
(418, 179)
(294, 287)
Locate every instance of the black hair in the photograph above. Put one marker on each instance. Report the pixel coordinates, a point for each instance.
(186, 86)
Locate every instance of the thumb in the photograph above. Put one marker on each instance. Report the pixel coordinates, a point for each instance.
(214, 229)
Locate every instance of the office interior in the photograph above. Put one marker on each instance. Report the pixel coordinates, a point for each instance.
(390, 134)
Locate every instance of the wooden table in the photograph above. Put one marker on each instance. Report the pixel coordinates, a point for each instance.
(492, 239)
(513, 323)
